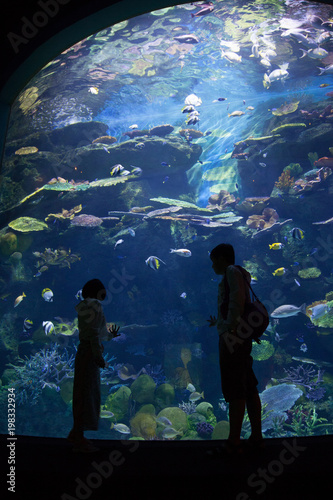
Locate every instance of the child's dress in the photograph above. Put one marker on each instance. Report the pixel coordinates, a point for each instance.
(88, 361)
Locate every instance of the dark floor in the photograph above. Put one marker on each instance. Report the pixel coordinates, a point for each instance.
(46, 468)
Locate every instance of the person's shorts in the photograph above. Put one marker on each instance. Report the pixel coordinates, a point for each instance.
(238, 380)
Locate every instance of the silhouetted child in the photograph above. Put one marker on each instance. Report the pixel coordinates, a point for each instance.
(239, 384)
(88, 361)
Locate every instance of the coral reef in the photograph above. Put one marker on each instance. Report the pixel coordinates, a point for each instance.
(118, 402)
(84, 220)
(285, 181)
(161, 130)
(177, 203)
(313, 157)
(252, 205)
(307, 423)
(221, 200)
(286, 108)
(294, 169)
(8, 336)
(18, 270)
(262, 351)
(204, 430)
(27, 224)
(8, 243)
(59, 257)
(317, 114)
(286, 128)
(313, 180)
(177, 417)
(188, 407)
(156, 372)
(143, 389)
(143, 425)
(309, 273)
(64, 215)
(278, 399)
(221, 430)
(268, 217)
(190, 132)
(105, 139)
(164, 395)
(306, 376)
(47, 368)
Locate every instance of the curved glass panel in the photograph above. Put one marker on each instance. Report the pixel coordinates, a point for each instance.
(152, 141)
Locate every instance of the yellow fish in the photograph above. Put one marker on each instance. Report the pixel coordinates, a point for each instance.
(276, 246)
(19, 299)
(93, 90)
(280, 271)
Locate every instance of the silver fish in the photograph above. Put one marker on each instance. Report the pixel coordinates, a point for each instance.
(119, 242)
(288, 310)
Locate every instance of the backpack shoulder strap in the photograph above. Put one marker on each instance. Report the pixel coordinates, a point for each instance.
(248, 284)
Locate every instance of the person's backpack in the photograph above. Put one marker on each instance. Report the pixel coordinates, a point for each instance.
(255, 318)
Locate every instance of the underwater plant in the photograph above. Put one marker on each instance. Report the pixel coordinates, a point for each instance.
(307, 423)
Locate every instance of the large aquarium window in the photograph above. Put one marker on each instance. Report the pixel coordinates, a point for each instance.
(128, 158)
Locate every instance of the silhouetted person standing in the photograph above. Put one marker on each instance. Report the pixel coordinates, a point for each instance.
(239, 384)
(88, 361)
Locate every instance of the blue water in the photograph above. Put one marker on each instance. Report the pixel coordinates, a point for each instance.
(133, 79)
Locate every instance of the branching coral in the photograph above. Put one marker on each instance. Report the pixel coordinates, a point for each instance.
(313, 181)
(188, 408)
(307, 377)
(285, 182)
(46, 368)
